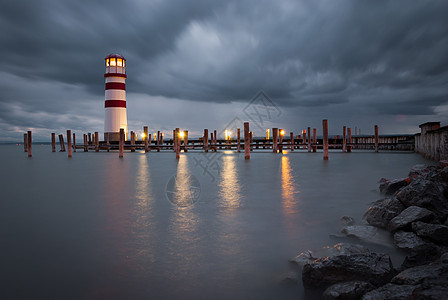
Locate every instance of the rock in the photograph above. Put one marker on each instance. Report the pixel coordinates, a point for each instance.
(368, 233)
(346, 220)
(382, 211)
(427, 194)
(289, 279)
(407, 240)
(436, 288)
(442, 164)
(329, 251)
(421, 255)
(389, 187)
(409, 215)
(391, 292)
(416, 275)
(444, 258)
(418, 171)
(374, 268)
(437, 233)
(347, 290)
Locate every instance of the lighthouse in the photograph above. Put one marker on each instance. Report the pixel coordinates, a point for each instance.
(115, 116)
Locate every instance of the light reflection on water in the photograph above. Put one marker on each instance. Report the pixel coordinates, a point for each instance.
(290, 194)
(229, 184)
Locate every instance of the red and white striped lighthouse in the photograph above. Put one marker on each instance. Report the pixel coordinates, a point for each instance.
(115, 96)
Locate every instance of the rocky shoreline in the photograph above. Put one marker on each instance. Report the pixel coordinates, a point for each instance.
(414, 213)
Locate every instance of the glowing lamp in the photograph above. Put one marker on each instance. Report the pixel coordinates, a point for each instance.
(282, 132)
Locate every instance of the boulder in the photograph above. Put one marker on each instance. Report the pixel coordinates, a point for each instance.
(374, 268)
(407, 240)
(419, 171)
(346, 220)
(426, 193)
(390, 187)
(409, 215)
(437, 233)
(433, 288)
(417, 275)
(382, 211)
(421, 255)
(368, 234)
(347, 290)
(391, 292)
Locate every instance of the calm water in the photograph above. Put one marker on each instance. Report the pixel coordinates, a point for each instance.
(99, 227)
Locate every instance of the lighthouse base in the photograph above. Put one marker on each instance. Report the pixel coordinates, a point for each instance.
(113, 136)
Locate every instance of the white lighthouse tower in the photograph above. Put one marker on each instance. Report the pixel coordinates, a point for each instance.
(115, 97)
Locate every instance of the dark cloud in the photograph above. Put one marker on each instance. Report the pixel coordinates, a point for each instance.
(356, 57)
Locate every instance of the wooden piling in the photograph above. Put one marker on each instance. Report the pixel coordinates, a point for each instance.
(377, 138)
(121, 147)
(177, 143)
(238, 140)
(161, 139)
(158, 141)
(69, 143)
(291, 140)
(132, 141)
(145, 132)
(325, 133)
(246, 141)
(344, 139)
(90, 138)
(74, 142)
(349, 137)
(205, 140)
(61, 142)
(97, 142)
(274, 139)
(212, 142)
(280, 137)
(185, 140)
(251, 134)
(215, 141)
(149, 142)
(29, 143)
(309, 139)
(25, 142)
(86, 145)
(53, 142)
(315, 139)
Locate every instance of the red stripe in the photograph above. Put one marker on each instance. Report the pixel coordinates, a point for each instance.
(115, 103)
(115, 75)
(115, 86)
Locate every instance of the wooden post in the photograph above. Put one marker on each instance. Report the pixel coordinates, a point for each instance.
(86, 146)
(246, 141)
(238, 140)
(177, 143)
(215, 141)
(158, 141)
(149, 142)
(212, 142)
(161, 139)
(309, 139)
(90, 138)
(280, 146)
(377, 138)
(53, 142)
(132, 141)
(349, 136)
(108, 141)
(274, 137)
(251, 140)
(325, 132)
(97, 142)
(145, 132)
(185, 140)
(291, 140)
(315, 139)
(25, 142)
(74, 142)
(121, 143)
(29, 144)
(344, 139)
(61, 142)
(206, 140)
(69, 143)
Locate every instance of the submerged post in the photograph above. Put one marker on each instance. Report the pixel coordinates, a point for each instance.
(274, 139)
(29, 143)
(185, 140)
(349, 134)
(121, 143)
(69, 143)
(74, 142)
(325, 133)
(238, 140)
(215, 141)
(246, 141)
(145, 133)
(177, 143)
(206, 140)
(97, 142)
(344, 139)
(53, 142)
(315, 139)
(132, 141)
(309, 139)
(158, 141)
(61, 142)
(90, 138)
(251, 140)
(25, 142)
(291, 140)
(86, 146)
(377, 138)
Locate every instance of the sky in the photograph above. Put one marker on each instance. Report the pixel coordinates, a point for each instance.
(206, 64)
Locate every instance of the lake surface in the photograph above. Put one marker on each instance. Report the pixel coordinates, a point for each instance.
(150, 227)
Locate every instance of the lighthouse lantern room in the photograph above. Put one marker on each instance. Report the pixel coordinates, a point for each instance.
(115, 97)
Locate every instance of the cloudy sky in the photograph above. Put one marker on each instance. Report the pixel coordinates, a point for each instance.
(199, 63)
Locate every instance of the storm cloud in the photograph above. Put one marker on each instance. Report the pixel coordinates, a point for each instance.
(197, 64)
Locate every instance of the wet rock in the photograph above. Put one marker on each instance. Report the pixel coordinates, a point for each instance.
(418, 171)
(368, 233)
(437, 233)
(374, 268)
(382, 211)
(421, 255)
(407, 240)
(444, 258)
(409, 215)
(391, 292)
(329, 251)
(347, 290)
(436, 288)
(390, 187)
(417, 275)
(346, 220)
(425, 193)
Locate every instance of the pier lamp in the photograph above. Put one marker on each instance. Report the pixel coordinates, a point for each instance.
(143, 135)
(267, 134)
(282, 132)
(227, 133)
(181, 134)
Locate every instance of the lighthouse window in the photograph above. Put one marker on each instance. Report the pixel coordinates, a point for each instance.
(112, 62)
(107, 62)
(119, 62)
